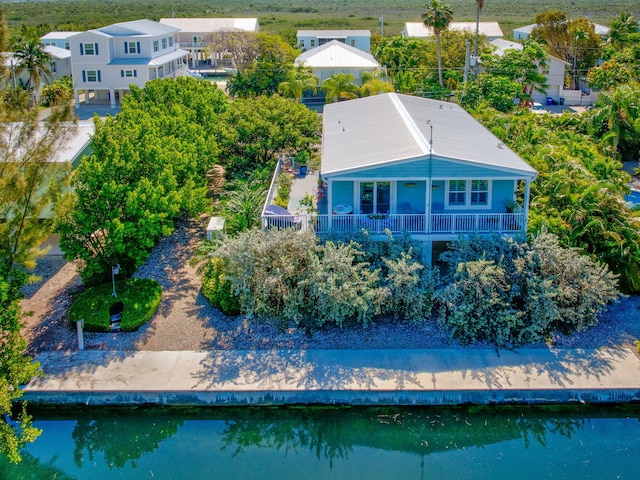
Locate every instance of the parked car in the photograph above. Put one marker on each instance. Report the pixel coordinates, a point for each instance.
(538, 108)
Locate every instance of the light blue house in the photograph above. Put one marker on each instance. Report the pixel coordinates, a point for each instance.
(57, 39)
(360, 39)
(425, 167)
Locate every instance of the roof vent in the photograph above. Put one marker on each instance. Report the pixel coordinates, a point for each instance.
(441, 107)
(500, 144)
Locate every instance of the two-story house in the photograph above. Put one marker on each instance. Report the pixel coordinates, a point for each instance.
(308, 39)
(195, 35)
(57, 39)
(105, 61)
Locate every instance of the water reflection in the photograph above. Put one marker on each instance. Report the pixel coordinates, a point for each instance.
(329, 442)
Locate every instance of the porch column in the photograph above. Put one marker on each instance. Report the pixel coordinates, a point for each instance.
(329, 204)
(76, 97)
(112, 97)
(427, 204)
(527, 192)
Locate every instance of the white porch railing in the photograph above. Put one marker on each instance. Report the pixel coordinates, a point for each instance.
(441, 223)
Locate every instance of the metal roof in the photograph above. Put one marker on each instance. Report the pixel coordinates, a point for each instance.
(161, 60)
(391, 128)
(57, 52)
(599, 29)
(333, 33)
(419, 29)
(58, 35)
(337, 54)
(145, 28)
(210, 25)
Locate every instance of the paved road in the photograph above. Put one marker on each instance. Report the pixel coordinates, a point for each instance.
(407, 377)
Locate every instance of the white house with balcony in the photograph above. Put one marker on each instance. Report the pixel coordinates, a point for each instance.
(409, 164)
(308, 39)
(194, 35)
(491, 30)
(105, 61)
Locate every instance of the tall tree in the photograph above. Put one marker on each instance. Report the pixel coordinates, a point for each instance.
(479, 5)
(29, 182)
(31, 58)
(438, 16)
(621, 28)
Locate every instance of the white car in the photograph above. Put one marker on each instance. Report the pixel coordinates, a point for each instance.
(538, 108)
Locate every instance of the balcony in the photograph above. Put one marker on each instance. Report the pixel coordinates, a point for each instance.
(415, 224)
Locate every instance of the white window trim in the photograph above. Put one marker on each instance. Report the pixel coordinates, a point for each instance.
(357, 206)
(467, 197)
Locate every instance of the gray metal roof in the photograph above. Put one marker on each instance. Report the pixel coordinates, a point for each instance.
(336, 54)
(137, 28)
(384, 129)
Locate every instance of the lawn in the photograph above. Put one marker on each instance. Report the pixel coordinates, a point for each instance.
(140, 298)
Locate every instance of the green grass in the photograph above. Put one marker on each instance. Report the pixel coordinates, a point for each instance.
(140, 297)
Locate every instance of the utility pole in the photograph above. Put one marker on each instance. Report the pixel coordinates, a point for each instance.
(381, 25)
(466, 60)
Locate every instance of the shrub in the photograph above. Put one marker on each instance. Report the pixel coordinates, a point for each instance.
(217, 287)
(519, 293)
(283, 190)
(140, 297)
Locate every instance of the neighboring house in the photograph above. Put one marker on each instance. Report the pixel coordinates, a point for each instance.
(308, 39)
(60, 64)
(194, 34)
(522, 33)
(105, 61)
(554, 72)
(57, 39)
(491, 30)
(337, 57)
(410, 164)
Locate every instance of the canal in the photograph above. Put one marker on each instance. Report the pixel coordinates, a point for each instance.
(479, 442)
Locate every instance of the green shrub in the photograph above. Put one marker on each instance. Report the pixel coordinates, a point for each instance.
(519, 293)
(217, 287)
(283, 190)
(140, 297)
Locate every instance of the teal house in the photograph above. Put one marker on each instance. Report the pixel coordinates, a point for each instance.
(426, 167)
(412, 165)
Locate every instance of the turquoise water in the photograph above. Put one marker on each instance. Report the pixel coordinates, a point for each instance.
(318, 443)
(633, 197)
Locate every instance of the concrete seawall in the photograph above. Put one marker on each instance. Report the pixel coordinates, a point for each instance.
(353, 377)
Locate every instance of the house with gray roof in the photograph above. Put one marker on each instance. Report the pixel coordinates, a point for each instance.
(491, 30)
(106, 61)
(523, 33)
(421, 166)
(308, 39)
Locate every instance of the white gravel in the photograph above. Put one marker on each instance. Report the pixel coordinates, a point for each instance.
(186, 321)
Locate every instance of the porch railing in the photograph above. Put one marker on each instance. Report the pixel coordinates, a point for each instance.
(440, 223)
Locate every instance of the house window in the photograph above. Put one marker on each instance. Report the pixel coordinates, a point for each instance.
(164, 43)
(375, 197)
(53, 68)
(353, 42)
(479, 192)
(67, 46)
(197, 41)
(457, 192)
(91, 76)
(468, 193)
(132, 47)
(156, 45)
(128, 73)
(171, 41)
(88, 49)
(312, 43)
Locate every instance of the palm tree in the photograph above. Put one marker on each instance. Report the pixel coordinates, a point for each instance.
(620, 29)
(479, 5)
(340, 86)
(298, 81)
(372, 85)
(438, 16)
(35, 61)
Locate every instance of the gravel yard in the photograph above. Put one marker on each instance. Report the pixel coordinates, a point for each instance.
(186, 321)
